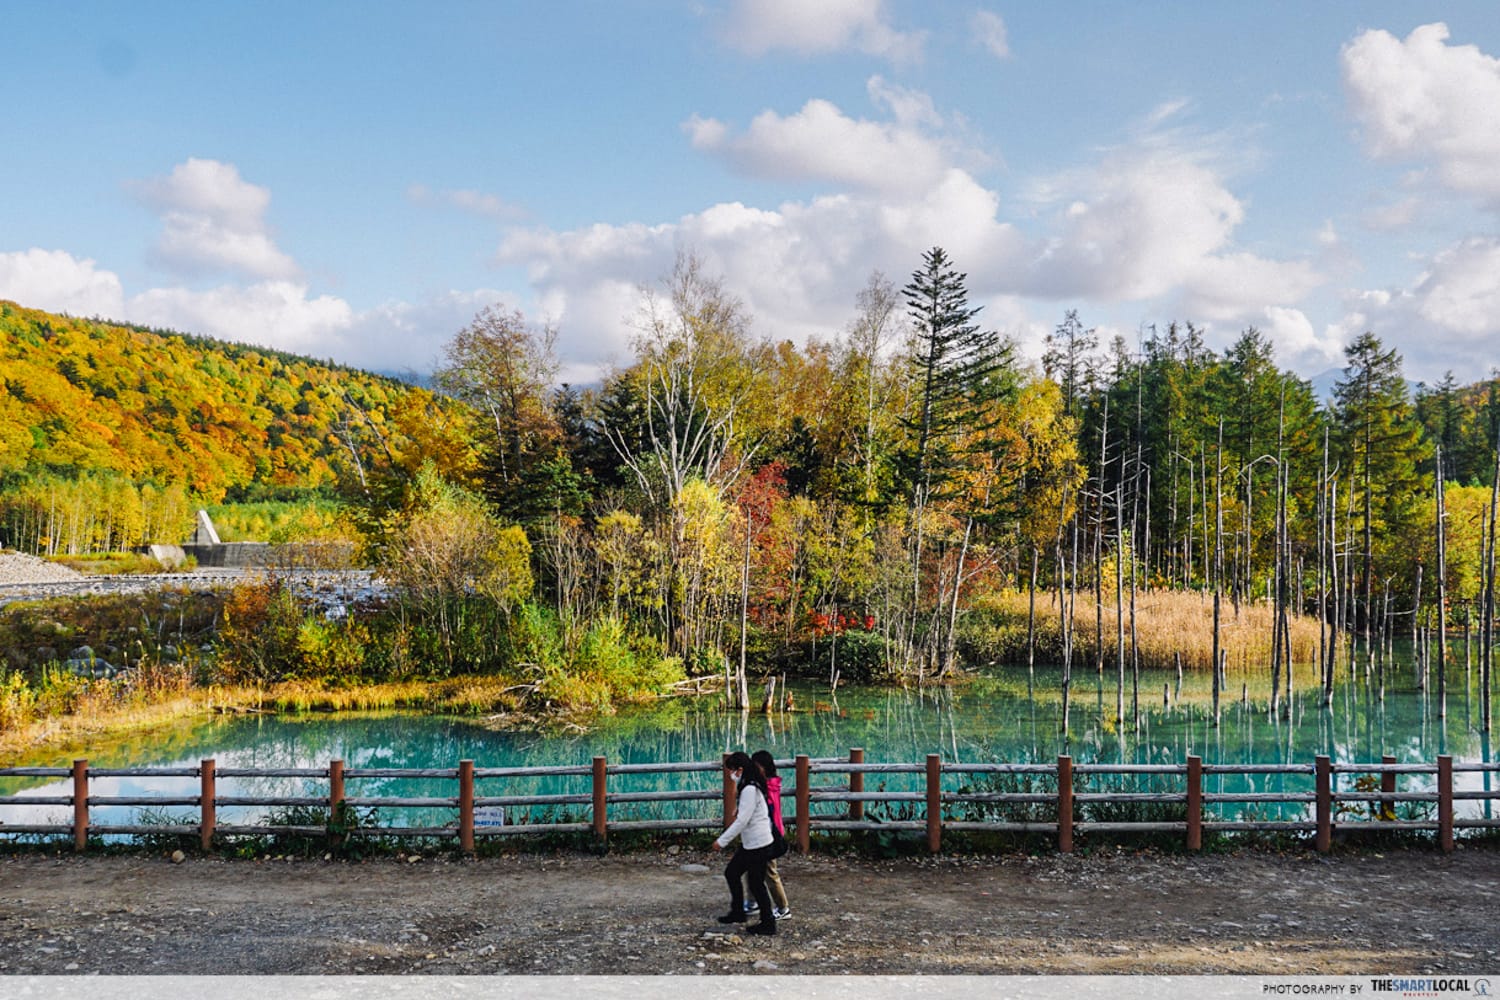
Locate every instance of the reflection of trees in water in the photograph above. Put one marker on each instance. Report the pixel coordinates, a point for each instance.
(993, 718)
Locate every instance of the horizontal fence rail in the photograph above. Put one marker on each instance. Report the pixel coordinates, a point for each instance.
(1060, 800)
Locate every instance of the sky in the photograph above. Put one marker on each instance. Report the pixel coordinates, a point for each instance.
(355, 181)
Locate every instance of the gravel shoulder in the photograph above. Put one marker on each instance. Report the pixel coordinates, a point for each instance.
(653, 913)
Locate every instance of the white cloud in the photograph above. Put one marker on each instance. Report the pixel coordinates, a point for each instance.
(57, 281)
(1424, 99)
(911, 108)
(1234, 287)
(1449, 317)
(823, 143)
(759, 26)
(1461, 290)
(989, 29)
(277, 314)
(1153, 222)
(1298, 344)
(1134, 227)
(797, 268)
(213, 221)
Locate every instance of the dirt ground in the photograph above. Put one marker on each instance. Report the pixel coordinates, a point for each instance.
(653, 913)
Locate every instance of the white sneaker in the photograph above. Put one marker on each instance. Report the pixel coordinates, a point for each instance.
(751, 906)
(781, 912)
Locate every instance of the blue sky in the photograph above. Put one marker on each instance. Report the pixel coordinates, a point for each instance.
(356, 180)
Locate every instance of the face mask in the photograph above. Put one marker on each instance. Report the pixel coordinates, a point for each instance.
(736, 775)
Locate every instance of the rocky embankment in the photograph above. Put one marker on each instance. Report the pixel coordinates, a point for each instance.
(18, 570)
(25, 577)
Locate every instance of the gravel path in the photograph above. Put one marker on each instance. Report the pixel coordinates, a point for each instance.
(654, 912)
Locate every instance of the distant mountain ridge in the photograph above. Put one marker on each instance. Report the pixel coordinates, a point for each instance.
(81, 397)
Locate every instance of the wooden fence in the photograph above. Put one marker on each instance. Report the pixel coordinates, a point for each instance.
(1060, 810)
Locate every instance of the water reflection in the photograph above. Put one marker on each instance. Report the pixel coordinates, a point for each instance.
(1004, 717)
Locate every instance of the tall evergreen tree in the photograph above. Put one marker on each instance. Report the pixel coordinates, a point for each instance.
(960, 374)
(958, 370)
(1382, 446)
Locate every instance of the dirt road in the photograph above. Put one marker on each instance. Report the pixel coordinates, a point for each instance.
(653, 913)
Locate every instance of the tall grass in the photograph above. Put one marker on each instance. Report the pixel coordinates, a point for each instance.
(1168, 623)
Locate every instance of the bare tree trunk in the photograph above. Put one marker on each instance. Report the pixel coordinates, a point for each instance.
(950, 641)
(1416, 614)
(1442, 589)
(1099, 548)
(1120, 601)
(1031, 614)
(1487, 645)
(742, 684)
(1218, 569)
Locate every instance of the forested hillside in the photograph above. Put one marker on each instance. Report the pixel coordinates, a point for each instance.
(110, 411)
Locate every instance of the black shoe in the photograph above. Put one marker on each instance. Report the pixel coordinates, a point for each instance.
(766, 928)
(733, 917)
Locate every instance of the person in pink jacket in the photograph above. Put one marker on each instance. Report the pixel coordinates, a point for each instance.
(781, 909)
(752, 825)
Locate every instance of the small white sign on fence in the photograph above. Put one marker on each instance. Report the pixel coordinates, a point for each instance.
(489, 816)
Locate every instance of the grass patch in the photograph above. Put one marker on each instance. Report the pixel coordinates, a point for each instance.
(1168, 623)
(118, 563)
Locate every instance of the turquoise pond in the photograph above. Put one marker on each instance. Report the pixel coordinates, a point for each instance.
(1000, 717)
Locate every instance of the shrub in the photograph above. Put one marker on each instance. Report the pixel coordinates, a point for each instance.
(259, 633)
(17, 700)
(333, 650)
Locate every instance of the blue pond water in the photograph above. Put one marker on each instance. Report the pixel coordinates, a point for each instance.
(1004, 717)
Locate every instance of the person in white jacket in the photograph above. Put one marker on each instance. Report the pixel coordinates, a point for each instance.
(752, 824)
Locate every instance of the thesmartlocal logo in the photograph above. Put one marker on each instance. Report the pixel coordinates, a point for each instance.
(1431, 987)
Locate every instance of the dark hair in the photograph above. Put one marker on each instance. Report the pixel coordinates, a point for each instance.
(766, 761)
(750, 772)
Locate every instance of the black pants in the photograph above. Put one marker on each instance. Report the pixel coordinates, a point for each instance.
(750, 864)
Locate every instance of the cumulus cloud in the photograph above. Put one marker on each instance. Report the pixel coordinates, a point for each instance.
(278, 314)
(1134, 227)
(760, 26)
(1298, 343)
(821, 142)
(57, 281)
(1448, 317)
(1153, 222)
(989, 30)
(797, 268)
(213, 221)
(907, 154)
(1421, 98)
(1461, 290)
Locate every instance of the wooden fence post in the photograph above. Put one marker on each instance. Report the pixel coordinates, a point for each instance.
(856, 784)
(1323, 808)
(208, 814)
(1388, 786)
(934, 803)
(601, 804)
(335, 801)
(1445, 802)
(804, 803)
(466, 806)
(80, 805)
(1065, 803)
(1194, 803)
(730, 805)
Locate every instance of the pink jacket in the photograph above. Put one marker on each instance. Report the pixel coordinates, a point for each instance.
(773, 785)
